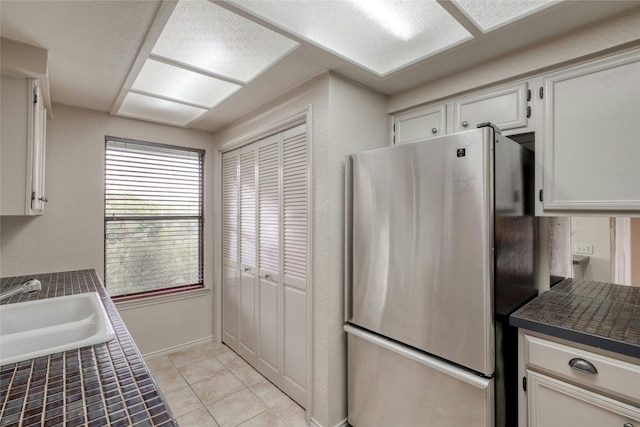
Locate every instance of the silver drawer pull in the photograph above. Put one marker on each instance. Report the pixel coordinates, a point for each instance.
(627, 425)
(583, 366)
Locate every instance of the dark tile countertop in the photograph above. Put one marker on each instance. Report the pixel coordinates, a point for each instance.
(598, 314)
(100, 385)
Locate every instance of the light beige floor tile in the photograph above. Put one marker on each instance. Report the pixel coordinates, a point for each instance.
(169, 380)
(218, 348)
(248, 375)
(191, 355)
(268, 393)
(291, 413)
(236, 408)
(159, 364)
(183, 401)
(201, 370)
(199, 418)
(231, 360)
(266, 419)
(216, 387)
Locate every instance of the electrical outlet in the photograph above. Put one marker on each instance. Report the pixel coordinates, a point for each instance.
(584, 248)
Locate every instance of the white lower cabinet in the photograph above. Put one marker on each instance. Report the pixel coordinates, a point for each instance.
(557, 403)
(264, 245)
(567, 385)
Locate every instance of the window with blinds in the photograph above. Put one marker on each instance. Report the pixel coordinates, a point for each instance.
(153, 218)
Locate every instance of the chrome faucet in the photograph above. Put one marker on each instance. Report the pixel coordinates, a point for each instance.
(32, 285)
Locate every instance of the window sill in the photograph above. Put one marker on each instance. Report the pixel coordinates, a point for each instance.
(161, 299)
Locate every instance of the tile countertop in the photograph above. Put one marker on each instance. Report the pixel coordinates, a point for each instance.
(104, 384)
(598, 314)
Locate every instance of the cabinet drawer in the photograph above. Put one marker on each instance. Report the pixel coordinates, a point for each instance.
(613, 376)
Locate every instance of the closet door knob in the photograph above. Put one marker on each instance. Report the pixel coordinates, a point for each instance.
(465, 124)
(434, 130)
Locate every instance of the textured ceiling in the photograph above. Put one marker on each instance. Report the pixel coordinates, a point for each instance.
(93, 45)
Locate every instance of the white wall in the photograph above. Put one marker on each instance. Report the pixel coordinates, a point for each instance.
(70, 235)
(345, 119)
(595, 231)
(588, 41)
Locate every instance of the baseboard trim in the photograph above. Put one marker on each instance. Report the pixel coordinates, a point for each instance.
(166, 351)
(343, 423)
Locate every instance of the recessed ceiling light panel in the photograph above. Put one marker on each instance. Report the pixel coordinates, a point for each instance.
(168, 81)
(380, 35)
(491, 14)
(144, 107)
(210, 38)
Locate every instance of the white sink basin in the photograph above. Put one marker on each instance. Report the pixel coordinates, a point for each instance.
(37, 328)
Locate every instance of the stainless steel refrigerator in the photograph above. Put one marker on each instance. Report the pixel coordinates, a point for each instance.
(440, 247)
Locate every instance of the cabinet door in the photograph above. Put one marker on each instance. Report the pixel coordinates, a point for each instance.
(419, 124)
(248, 337)
(556, 403)
(505, 108)
(38, 198)
(591, 136)
(269, 196)
(22, 143)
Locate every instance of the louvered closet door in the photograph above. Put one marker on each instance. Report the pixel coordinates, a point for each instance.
(269, 192)
(248, 338)
(230, 265)
(266, 309)
(294, 263)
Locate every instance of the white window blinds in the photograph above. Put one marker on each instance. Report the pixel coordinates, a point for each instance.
(153, 217)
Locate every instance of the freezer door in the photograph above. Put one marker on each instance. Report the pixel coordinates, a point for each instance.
(391, 385)
(421, 246)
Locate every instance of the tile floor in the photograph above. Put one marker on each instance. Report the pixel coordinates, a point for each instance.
(210, 385)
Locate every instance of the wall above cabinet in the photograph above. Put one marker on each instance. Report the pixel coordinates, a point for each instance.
(23, 60)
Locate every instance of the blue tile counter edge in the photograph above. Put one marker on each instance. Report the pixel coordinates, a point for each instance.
(99, 385)
(598, 314)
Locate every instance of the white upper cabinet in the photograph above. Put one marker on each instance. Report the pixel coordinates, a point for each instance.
(23, 147)
(422, 123)
(591, 137)
(505, 107)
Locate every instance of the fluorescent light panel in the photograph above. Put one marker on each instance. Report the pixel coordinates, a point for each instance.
(203, 55)
(380, 35)
(157, 78)
(210, 38)
(158, 110)
(491, 14)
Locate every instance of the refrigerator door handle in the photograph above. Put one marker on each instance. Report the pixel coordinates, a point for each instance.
(437, 364)
(348, 239)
